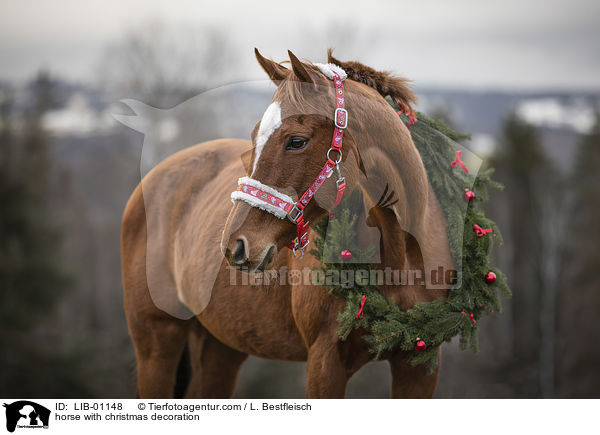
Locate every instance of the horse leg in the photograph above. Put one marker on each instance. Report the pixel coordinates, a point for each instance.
(410, 382)
(215, 366)
(159, 341)
(326, 375)
(158, 337)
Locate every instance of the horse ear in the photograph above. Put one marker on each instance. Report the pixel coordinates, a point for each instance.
(299, 69)
(275, 71)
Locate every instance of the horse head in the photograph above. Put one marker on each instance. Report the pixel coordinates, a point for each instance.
(290, 145)
(293, 141)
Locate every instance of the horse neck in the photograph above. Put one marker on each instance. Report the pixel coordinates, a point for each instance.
(399, 254)
(391, 158)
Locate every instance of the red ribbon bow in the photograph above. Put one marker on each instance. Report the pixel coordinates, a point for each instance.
(458, 162)
(362, 304)
(412, 118)
(471, 316)
(481, 231)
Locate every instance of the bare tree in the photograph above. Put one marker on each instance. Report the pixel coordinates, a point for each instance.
(163, 64)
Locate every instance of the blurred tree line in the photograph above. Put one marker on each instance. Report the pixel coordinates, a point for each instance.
(578, 297)
(547, 214)
(34, 275)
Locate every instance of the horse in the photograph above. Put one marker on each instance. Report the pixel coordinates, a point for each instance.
(187, 250)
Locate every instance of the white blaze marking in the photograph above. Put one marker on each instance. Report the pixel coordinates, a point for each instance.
(270, 122)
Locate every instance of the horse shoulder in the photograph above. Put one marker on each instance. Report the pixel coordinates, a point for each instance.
(158, 208)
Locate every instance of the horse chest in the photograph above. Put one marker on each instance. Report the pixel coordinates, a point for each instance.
(254, 319)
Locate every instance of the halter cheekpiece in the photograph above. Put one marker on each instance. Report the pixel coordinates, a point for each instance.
(264, 197)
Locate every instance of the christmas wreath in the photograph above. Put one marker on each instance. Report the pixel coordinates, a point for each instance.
(421, 329)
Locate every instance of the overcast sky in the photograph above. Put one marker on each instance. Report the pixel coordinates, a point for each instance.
(471, 44)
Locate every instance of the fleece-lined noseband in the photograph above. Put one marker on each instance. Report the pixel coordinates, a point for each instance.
(261, 196)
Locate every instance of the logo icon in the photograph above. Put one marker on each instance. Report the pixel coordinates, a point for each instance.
(26, 414)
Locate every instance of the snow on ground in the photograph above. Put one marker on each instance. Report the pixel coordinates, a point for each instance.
(77, 118)
(551, 112)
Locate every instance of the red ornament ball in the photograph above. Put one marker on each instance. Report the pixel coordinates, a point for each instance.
(469, 195)
(490, 278)
(346, 254)
(420, 346)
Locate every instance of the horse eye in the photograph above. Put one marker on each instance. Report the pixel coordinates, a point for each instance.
(295, 143)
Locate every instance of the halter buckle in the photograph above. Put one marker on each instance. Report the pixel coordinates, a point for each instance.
(340, 118)
(294, 214)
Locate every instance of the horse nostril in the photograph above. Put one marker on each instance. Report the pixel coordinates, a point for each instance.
(239, 254)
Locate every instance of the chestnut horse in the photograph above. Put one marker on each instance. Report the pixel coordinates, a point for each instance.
(180, 288)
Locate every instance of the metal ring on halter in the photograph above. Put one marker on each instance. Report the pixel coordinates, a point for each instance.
(294, 253)
(300, 248)
(337, 162)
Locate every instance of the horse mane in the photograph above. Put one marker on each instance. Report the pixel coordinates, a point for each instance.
(384, 82)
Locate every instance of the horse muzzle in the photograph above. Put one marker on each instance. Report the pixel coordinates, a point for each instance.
(238, 255)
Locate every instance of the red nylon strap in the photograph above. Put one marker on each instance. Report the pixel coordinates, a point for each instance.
(310, 192)
(302, 233)
(341, 116)
(339, 194)
(302, 227)
(340, 122)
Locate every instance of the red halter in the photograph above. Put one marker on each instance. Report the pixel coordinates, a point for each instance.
(266, 198)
